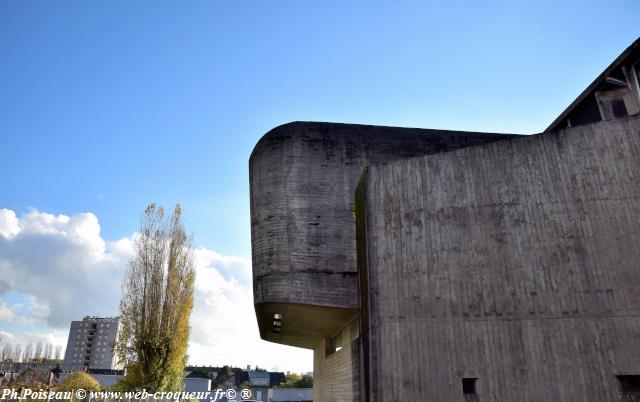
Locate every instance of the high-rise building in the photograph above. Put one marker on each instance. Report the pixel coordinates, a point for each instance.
(91, 344)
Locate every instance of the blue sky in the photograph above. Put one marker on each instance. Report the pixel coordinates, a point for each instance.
(107, 106)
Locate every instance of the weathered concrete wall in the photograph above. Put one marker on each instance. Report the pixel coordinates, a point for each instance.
(336, 377)
(303, 177)
(517, 262)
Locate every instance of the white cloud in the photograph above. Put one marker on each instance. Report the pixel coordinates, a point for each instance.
(55, 337)
(33, 312)
(66, 270)
(63, 265)
(224, 328)
(6, 312)
(9, 226)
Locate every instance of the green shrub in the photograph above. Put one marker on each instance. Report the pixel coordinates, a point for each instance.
(79, 380)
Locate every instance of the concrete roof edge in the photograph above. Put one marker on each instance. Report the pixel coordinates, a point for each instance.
(295, 127)
(591, 87)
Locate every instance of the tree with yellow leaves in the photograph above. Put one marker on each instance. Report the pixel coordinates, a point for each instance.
(156, 303)
(79, 380)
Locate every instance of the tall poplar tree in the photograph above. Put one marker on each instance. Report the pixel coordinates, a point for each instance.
(7, 352)
(17, 353)
(58, 352)
(38, 354)
(28, 353)
(157, 299)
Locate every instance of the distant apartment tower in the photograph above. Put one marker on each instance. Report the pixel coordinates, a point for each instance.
(91, 342)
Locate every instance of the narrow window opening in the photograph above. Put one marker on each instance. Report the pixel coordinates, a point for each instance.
(336, 343)
(277, 323)
(469, 386)
(618, 108)
(629, 384)
(349, 333)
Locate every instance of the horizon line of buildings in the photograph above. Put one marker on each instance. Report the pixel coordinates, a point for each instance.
(90, 348)
(91, 341)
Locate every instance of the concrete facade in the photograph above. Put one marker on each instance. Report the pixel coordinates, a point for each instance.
(520, 268)
(91, 343)
(337, 372)
(303, 177)
(303, 180)
(445, 266)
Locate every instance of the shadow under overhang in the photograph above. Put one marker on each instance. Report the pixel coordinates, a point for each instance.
(300, 325)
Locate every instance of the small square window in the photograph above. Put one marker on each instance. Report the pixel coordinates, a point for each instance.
(629, 384)
(469, 386)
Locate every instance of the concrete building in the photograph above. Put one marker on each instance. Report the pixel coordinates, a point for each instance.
(259, 382)
(434, 265)
(195, 384)
(90, 344)
(613, 94)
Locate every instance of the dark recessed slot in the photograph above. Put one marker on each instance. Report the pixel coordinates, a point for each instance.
(629, 384)
(469, 386)
(618, 108)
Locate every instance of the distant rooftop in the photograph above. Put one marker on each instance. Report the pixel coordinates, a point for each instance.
(257, 374)
(95, 318)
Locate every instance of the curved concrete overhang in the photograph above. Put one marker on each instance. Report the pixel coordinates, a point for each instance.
(303, 177)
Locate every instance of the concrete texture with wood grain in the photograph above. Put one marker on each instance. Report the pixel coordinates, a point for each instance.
(516, 263)
(303, 176)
